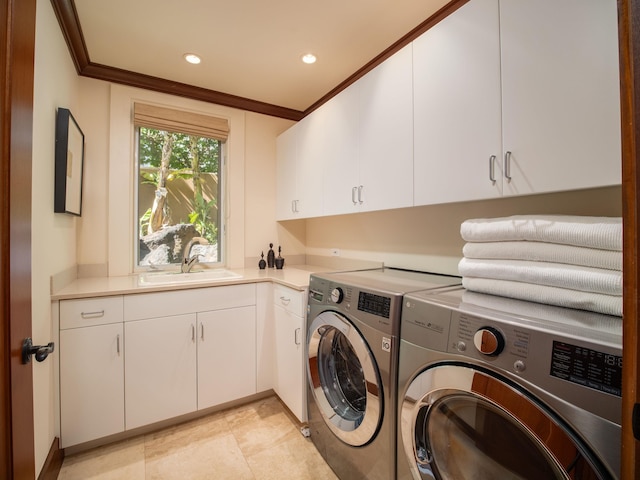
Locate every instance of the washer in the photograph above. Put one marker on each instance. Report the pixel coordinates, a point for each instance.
(491, 387)
(352, 344)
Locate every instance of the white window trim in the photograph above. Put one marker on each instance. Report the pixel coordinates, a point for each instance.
(121, 255)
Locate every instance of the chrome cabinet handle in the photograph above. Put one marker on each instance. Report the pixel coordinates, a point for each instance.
(285, 301)
(353, 195)
(296, 336)
(492, 166)
(202, 332)
(507, 165)
(96, 314)
(193, 333)
(118, 344)
(360, 193)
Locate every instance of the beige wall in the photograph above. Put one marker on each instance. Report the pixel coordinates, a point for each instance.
(260, 190)
(54, 241)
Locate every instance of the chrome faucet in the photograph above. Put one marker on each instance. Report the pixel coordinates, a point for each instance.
(188, 260)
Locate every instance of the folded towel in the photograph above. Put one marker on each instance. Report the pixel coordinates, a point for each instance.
(593, 232)
(584, 279)
(575, 321)
(561, 297)
(545, 252)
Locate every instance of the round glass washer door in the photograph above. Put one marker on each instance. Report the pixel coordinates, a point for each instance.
(344, 379)
(467, 423)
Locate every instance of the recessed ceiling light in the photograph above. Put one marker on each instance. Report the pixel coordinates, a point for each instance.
(309, 58)
(192, 58)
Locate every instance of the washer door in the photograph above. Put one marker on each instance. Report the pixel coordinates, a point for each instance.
(462, 422)
(344, 379)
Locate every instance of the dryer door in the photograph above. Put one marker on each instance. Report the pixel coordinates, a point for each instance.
(459, 421)
(344, 379)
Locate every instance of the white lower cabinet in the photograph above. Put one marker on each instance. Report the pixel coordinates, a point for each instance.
(200, 354)
(133, 360)
(160, 369)
(289, 332)
(91, 369)
(91, 383)
(226, 355)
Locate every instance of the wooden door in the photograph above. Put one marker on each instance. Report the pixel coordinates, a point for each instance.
(16, 125)
(629, 35)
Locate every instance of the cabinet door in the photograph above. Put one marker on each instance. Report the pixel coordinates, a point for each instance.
(561, 97)
(312, 149)
(457, 116)
(91, 383)
(226, 355)
(160, 371)
(289, 381)
(286, 174)
(385, 142)
(341, 164)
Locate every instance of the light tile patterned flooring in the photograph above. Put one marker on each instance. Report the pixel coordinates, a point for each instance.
(257, 441)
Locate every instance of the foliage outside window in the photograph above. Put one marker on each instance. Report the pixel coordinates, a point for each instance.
(179, 193)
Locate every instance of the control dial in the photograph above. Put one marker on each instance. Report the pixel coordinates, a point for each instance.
(337, 295)
(489, 341)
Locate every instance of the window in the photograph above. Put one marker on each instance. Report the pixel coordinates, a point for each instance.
(179, 186)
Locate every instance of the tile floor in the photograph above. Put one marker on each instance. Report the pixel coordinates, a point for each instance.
(257, 441)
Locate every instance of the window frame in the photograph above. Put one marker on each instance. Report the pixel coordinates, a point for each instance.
(221, 209)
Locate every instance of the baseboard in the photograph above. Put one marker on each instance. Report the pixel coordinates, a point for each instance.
(53, 463)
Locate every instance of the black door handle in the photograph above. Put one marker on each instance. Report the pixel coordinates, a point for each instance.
(40, 351)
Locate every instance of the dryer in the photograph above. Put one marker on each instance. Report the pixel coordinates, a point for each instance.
(352, 344)
(491, 387)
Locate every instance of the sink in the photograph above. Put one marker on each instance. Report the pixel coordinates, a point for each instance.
(172, 278)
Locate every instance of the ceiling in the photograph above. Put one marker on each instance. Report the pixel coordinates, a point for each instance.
(251, 49)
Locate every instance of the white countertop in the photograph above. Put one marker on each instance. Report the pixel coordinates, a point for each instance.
(296, 277)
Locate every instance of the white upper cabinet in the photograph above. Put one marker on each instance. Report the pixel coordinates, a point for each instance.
(517, 97)
(510, 97)
(457, 117)
(301, 150)
(385, 141)
(286, 174)
(341, 165)
(355, 152)
(561, 96)
(369, 128)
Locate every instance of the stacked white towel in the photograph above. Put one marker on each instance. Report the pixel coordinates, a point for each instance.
(561, 260)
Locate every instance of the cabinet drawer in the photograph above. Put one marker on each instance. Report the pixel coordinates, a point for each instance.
(291, 300)
(180, 302)
(88, 312)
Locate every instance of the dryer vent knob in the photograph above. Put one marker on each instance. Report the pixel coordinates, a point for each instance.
(488, 341)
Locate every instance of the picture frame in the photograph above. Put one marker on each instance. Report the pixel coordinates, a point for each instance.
(69, 164)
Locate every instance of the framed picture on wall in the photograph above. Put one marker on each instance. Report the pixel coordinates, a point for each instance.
(69, 158)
